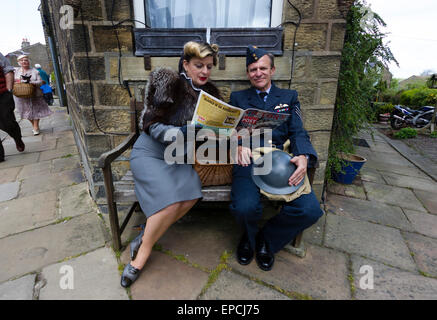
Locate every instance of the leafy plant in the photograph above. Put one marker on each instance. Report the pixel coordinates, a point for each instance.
(433, 134)
(405, 133)
(418, 97)
(385, 108)
(363, 61)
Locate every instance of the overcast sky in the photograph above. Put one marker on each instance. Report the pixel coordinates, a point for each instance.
(411, 26)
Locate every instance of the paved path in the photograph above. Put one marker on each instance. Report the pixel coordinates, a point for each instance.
(377, 240)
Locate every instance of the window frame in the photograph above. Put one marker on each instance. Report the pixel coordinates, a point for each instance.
(232, 41)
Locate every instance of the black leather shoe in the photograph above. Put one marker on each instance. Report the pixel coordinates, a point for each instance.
(264, 257)
(130, 274)
(244, 251)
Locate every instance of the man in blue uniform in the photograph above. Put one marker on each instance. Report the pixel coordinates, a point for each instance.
(295, 216)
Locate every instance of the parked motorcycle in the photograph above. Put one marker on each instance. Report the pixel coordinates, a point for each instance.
(403, 116)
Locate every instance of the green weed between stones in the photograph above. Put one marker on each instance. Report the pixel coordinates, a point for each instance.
(433, 134)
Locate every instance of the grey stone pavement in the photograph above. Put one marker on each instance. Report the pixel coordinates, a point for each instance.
(377, 239)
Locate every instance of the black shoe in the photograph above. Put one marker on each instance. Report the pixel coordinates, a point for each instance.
(130, 274)
(244, 251)
(19, 145)
(264, 257)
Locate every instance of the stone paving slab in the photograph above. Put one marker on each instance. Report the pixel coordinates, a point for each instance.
(371, 211)
(392, 284)
(27, 213)
(368, 239)
(66, 163)
(428, 199)
(349, 190)
(425, 252)
(388, 158)
(19, 289)
(232, 286)
(9, 175)
(53, 181)
(34, 146)
(76, 200)
(29, 251)
(59, 153)
(202, 237)
(35, 169)
(370, 174)
(166, 278)
(402, 170)
(423, 223)
(409, 182)
(94, 277)
(392, 195)
(380, 146)
(306, 278)
(19, 160)
(9, 191)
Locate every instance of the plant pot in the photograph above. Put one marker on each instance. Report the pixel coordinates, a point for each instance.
(384, 117)
(350, 168)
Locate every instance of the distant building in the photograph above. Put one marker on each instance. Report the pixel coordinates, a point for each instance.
(37, 52)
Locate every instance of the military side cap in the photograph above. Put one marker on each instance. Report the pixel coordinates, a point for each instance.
(253, 54)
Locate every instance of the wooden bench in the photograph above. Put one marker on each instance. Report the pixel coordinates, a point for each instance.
(123, 191)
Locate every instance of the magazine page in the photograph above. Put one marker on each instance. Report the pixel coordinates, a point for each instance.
(261, 119)
(214, 114)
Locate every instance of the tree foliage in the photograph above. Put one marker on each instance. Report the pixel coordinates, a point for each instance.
(364, 58)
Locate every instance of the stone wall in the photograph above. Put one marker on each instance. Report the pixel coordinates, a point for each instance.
(319, 42)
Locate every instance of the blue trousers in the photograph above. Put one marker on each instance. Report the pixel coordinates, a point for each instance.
(293, 218)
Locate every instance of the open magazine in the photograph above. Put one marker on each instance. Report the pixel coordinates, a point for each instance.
(222, 118)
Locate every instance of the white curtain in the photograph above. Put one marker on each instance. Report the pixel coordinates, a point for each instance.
(208, 13)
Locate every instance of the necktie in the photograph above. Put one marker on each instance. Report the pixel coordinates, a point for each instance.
(263, 95)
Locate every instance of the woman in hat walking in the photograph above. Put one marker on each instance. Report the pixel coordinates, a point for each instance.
(34, 108)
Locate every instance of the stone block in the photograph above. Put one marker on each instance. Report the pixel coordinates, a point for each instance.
(428, 199)
(424, 251)
(423, 223)
(310, 36)
(390, 283)
(108, 120)
(306, 8)
(120, 11)
(328, 9)
(105, 39)
(95, 66)
(325, 67)
(306, 92)
(320, 141)
(92, 11)
(231, 286)
(300, 67)
(81, 93)
(320, 119)
(9, 175)
(408, 182)
(113, 95)
(79, 39)
(367, 239)
(9, 191)
(96, 144)
(328, 93)
(66, 163)
(338, 32)
(75, 200)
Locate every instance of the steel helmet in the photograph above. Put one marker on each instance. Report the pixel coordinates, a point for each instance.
(276, 181)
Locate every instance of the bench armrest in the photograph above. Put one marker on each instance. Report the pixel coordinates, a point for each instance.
(109, 156)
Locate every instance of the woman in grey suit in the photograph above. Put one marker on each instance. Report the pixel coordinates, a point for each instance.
(166, 192)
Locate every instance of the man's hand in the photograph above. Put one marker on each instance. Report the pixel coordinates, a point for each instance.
(244, 155)
(301, 169)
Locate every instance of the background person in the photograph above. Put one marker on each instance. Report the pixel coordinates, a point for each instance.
(44, 76)
(167, 192)
(36, 107)
(295, 216)
(7, 106)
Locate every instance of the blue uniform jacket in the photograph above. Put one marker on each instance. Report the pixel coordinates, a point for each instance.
(292, 129)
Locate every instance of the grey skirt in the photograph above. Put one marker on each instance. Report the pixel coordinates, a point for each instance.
(158, 184)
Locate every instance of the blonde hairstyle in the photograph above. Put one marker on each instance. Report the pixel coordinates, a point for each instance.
(198, 50)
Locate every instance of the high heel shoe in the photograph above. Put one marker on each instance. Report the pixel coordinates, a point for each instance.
(136, 243)
(130, 274)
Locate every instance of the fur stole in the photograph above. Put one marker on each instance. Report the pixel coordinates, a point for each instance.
(171, 98)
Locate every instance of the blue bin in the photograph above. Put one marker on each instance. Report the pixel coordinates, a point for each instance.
(351, 168)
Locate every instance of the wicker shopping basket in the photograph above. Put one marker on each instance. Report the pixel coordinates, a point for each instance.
(23, 90)
(213, 174)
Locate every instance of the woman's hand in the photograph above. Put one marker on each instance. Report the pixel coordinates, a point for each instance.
(244, 155)
(301, 169)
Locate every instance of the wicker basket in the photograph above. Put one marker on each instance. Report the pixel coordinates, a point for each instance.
(23, 90)
(214, 174)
